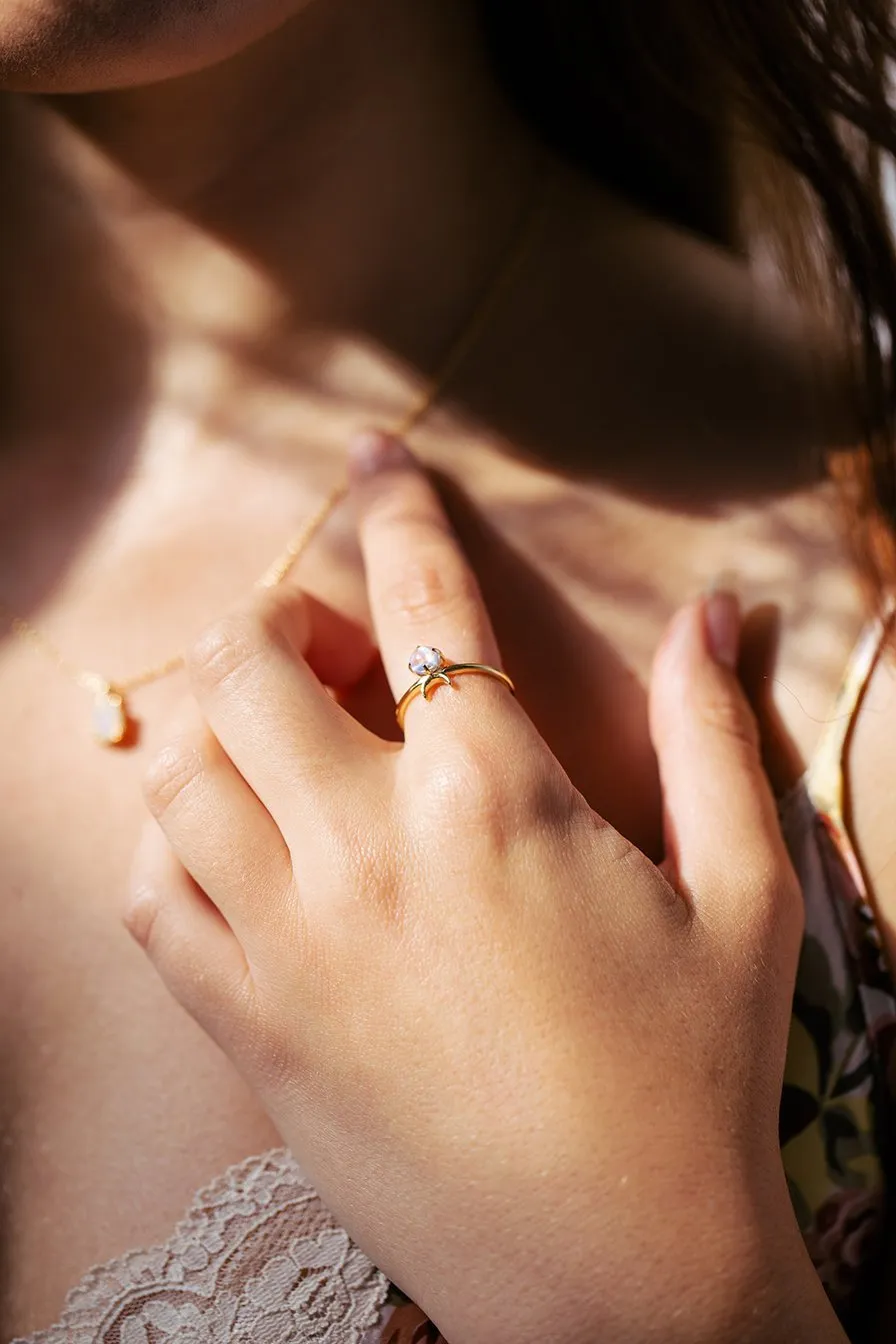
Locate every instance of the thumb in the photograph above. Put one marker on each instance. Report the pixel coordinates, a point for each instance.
(724, 849)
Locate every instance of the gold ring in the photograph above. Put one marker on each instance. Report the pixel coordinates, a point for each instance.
(432, 667)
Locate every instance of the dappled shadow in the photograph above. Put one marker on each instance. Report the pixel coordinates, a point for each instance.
(644, 399)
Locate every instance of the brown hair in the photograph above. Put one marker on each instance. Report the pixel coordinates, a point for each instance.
(733, 118)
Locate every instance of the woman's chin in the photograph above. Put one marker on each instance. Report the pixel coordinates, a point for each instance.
(80, 46)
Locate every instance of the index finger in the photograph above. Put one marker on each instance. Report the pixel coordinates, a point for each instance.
(422, 590)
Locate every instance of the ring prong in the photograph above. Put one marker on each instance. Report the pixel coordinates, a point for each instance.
(431, 680)
(446, 672)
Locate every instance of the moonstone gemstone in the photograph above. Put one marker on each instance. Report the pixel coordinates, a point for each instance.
(425, 659)
(110, 720)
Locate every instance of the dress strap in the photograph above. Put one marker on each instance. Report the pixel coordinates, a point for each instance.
(825, 777)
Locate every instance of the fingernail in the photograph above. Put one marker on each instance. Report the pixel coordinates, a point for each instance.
(722, 621)
(374, 451)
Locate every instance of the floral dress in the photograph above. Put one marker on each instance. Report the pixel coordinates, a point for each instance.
(838, 1109)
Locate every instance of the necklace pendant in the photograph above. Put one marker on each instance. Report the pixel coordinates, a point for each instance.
(110, 717)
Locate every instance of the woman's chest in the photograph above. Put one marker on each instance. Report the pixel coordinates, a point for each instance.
(115, 1107)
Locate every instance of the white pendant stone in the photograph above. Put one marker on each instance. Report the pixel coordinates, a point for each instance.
(110, 720)
(425, 659)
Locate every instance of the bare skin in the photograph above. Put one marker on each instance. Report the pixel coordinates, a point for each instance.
(242, 297)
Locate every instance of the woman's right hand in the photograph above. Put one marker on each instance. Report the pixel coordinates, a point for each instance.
(536, 1076)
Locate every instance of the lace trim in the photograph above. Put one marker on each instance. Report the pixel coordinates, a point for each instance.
(258, 1259)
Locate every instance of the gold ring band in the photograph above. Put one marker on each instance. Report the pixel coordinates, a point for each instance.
(439, 670)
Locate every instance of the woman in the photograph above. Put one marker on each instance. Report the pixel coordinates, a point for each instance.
(235, 236)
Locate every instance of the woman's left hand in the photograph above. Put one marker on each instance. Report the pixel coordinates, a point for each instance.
(536, 1077)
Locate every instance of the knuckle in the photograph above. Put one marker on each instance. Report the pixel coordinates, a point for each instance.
(733, 720)
(463, 777)
(475, 793)
(429, 587)
(228, 649)
(172, 775)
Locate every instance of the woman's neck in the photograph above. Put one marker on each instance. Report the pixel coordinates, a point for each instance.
(352, 178)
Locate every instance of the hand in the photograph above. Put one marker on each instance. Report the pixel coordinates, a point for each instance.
(535, 1076)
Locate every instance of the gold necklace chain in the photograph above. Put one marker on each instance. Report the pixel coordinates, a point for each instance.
(112, 723)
